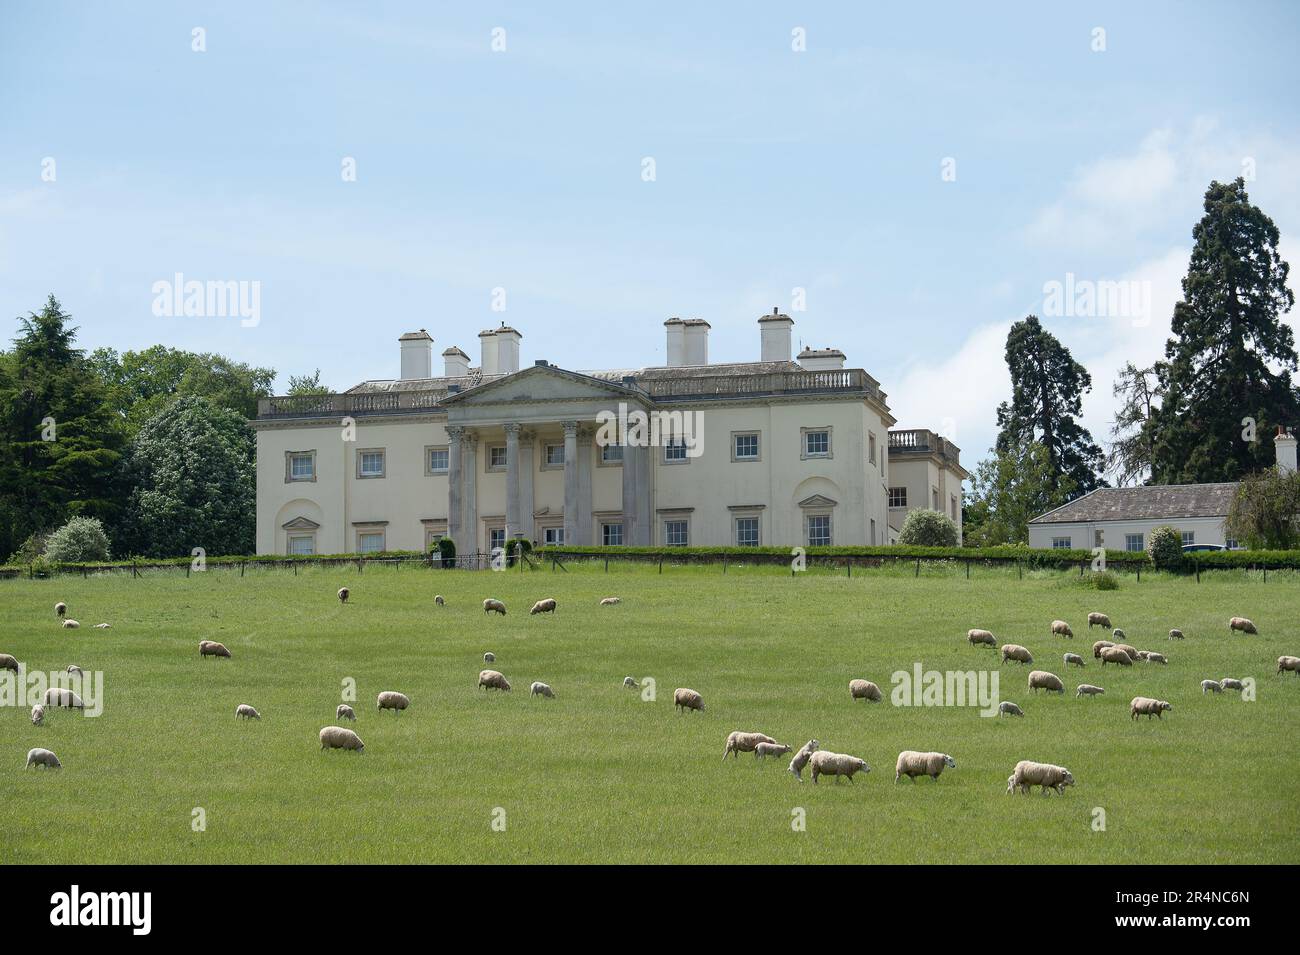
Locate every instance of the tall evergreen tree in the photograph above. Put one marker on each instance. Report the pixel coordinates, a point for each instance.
(1047, 389)
(1230, 357)
(1133, 449)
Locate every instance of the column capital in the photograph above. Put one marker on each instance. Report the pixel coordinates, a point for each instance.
(512, 427)
(455, 432)
(570, 428)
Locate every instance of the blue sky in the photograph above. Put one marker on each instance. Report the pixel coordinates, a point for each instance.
(522, 169)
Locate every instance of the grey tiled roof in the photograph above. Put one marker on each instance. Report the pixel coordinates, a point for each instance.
(1157, 502)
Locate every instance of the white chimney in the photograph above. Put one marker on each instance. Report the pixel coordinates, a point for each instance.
(487, 340)
(1284, 445)
(676, 342)
(417, 355)
(775, 332)
(821, 359)
(697, 342)
(507, 350)
(455, 363)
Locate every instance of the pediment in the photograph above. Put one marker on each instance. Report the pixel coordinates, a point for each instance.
(817, 500)
(542, 383)
(300, 524)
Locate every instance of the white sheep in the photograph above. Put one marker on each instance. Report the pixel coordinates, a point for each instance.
(630, 684)
(740, 742)
(1231, 683)
(1115, 655)
(1010, 709)
(345, 712)
(543, 606)
(764, 750)
(1073, 659)
(438, 600)
(1098, 620)
(343, 595)
(392, 700)
(826, 763)
(245, 712)
(864, 690)
(339, 737)
(70, 624)
(1153, 657)
(492, 680)
(42, 757)
(1087, 689)
(1011, 783)
(801, 758)
(210, 648)
(1028, 774)
(7, 662)
(1143, 704)
(489, 657)
(1211, 686)
(103, 626)
(611, 601)
(981, 637)
(1242, 624)
(60, 610)
(1062, 629)
(685, 699)
(541, 689)
(1175, 634)
(38, 715)
(1042, 680)
(912, 764)
(59, 696)
(1285, 663)
(1014, 651)
(494, 606)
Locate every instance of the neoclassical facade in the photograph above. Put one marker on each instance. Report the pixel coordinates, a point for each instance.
(773, 452)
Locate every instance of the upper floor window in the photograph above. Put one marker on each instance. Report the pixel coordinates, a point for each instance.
(952, 503)
(744, 446)
(439, 460)
(497, 457)
(370, 463)
(871, 448)
(817, 443)
(300, 466)
(898, 497)
(611, 453)
(675, 450)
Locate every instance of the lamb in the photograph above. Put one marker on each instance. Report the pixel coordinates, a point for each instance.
(630, 684)
(1242, 624)
(977, 637)
(60, 610)
(438, 601)
(7, 662)
(543, 606)
(1153, 657)
(1211, 686)
(1062, 629)
(864, 690)
(1143, 704)
(494, 606)
(687, 699)
(103, 626)
(1229, 683)
(611, 601)
(1099, 646)
(1029, 774)
(345, 712)
(73, 668)
(1073, 659)
(1041, 679)
(764, 750)
(38, 715)
(246, 712)
(1010, 709)
(1087, 689)
(339, 737)
(492, 680)
(58, 696)
(801, 758)
(210, 648)
(42, 757)
(826, 763)
(343, 595)
(1098, 620)
(1014, 651)
(912, 764)
(1175, 634)
(1288, 663)
(739, 742)
(1115, 655)
(489, 657)
(70, 624)
(1118, 634)
(541, 689)
(392, 700)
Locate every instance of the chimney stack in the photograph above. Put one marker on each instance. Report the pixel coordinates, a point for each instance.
(697, 342)
(507, 350)
(676, 354)
(417, 355)
(487, 340)
(821, 359)
(774, 330)
(1285, 444)
(455, 363)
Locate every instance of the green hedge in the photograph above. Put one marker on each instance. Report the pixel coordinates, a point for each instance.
(1032, 557)
(1220, 559)
(125, 563)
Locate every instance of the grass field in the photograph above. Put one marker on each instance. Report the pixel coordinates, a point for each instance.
(598, 774)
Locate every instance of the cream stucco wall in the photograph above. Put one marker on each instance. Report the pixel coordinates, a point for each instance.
(1208, 530)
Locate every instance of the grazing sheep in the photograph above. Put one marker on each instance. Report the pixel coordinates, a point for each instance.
(492, 680)
(343, 595)
(1062, 629)
(611, 601)
(1143, 704)
(1042, 680)
(210, 648)
(42, 757)
(70, 624)
(826, 763)
(1119, 634)
(1010, 709)
(58, 696)
(1011, 783)
(1087, 689)
(73, 668)
(739, 742)
(1175, 634)
(1099, 646)
(543, 606)
(38, 715)
(687, 699)
(1142, 655)
(339, 737)
(103, 626)
(489, 657)
(1230, 683)
(864, 690)
(1288, 663)
(1014, 651)
(1073, 659)
(541, 689)
(912, 764)
(1098, 620)
(1242, 624)
(246, 712)
(764, 750)
(1132, 652)
(801, 758)
(345, 712)
(438, 601)
(1211, 686)
(630, 684)
(8, 663)
(978, 637)
(494, 606)
(392, 700)
(1153, 657)
(60, 610)
(1029, 774)
(1115, 655)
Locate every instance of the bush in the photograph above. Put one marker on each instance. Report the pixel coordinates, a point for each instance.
(446, 549)
(81, 539)
(1103, 580)
(1165, 547)
(31, 550)
(924, 528)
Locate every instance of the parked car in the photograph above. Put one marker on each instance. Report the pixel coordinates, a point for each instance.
(1197, 548)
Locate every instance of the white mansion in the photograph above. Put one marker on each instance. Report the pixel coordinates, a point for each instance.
(780, 452)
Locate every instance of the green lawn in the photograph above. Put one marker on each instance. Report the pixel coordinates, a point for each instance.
(598, 775)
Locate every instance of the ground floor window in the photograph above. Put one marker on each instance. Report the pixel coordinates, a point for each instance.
(496, 538)
(1230, 543)
(819, 530)
(1189, 537)
(370, 542)
(611, 535)
(675, 533)
(302, 544)
(1133, 542)
(1061, 543)
(1097, 538)
(553, 535)
(898, 497)
(747, 532)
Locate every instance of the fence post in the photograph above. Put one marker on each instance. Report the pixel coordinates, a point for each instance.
(968, 568)
(187, 571)
(295, 567)
(1198, 570)
(918, 567)
(1139, 567)
(135, 571)
(848, 566)
(241, 567)
(661, 563)
(1266, 573)
(724, 563)
(1020, 570)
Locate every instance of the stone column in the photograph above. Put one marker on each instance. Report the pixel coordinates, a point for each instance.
(512, 482)
(570, 482)
(526, 468)
(585, 436)
(469, 469)
(629, 493)
(644, 496)
(454, 516)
